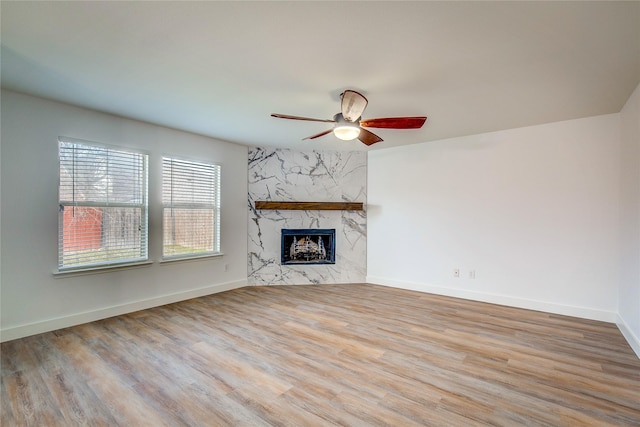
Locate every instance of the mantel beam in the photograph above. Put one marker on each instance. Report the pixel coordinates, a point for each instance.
(309, 206)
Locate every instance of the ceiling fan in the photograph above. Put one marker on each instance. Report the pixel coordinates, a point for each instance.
(349, 124)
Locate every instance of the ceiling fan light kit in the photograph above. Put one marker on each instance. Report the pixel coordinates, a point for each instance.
(346, 133)
(348, 123)
(344, 129)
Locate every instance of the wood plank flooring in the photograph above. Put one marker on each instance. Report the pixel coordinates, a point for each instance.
(318, 355)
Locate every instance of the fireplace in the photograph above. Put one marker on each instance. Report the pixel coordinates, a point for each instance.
(308, 246)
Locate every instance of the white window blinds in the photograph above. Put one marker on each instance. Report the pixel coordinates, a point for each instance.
(102, 206)
(191, 208)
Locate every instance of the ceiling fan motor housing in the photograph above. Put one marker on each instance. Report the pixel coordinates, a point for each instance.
(340, 120)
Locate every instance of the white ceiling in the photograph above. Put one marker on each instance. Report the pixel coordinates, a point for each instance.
(220, 68)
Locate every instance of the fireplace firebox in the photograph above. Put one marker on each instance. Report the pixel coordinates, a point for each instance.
(308, 246)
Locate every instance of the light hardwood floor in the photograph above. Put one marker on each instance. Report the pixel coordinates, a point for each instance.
(324, 355)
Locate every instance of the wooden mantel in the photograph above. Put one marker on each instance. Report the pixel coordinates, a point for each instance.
(309, 206)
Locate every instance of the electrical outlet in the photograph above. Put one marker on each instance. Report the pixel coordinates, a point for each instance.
(472, 274)
(456, 272)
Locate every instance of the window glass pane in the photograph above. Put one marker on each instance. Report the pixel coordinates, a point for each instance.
(189, 183)
(101, 175)
(102, 235)
(188, 231)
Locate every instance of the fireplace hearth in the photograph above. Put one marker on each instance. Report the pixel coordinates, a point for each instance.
(308, 246)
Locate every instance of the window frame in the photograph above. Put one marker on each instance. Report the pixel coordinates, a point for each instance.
(143, 205)
(214, 207)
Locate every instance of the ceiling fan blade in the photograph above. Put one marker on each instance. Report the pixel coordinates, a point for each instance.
(353, 105)
(285, 116)
(319, 134)
(395, 122)
(368, 138)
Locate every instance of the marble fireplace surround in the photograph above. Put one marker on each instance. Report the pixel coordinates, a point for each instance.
(295, 190)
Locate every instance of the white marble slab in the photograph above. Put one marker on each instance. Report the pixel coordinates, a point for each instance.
(310, 176)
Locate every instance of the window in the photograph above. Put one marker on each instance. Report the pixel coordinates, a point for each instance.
(191, 208)
(102, 206)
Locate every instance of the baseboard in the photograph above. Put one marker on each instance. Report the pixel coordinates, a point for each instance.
(628, 334)
(22, 331)
(547, 307)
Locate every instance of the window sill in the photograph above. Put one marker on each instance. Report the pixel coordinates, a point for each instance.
(100, 269)
(191, 258)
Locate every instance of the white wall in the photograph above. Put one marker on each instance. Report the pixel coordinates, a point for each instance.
(534, 211)
(629, 300)
(33, 300)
